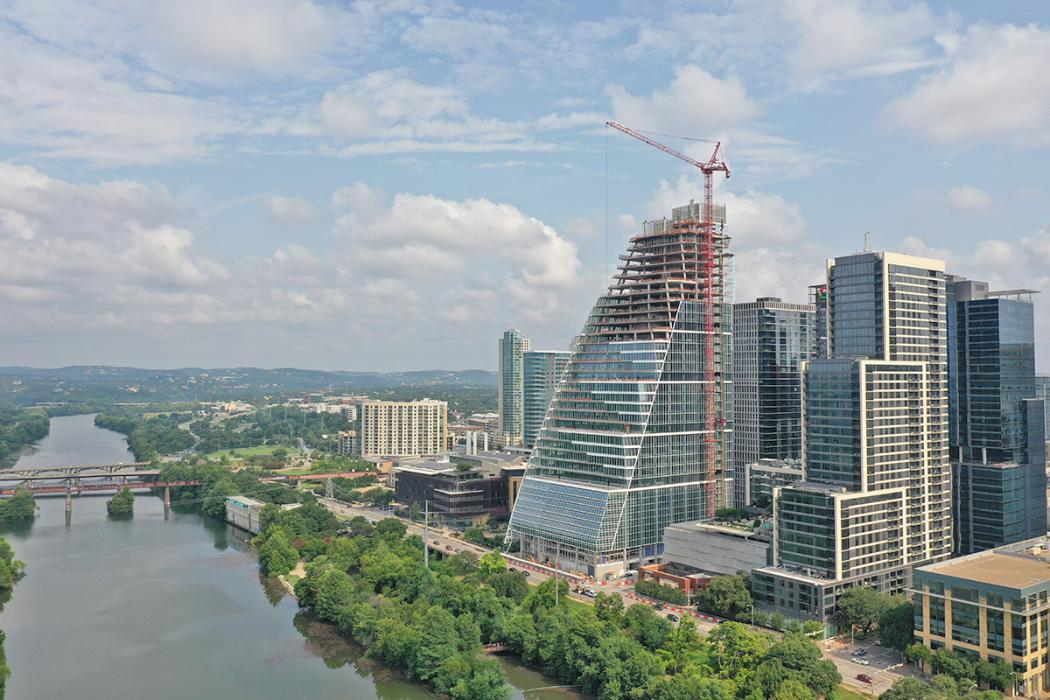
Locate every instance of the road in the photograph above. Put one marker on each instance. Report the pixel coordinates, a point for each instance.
(884, 665)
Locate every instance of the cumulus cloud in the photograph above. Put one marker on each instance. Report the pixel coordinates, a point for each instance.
(695, 102)
(969, 198)
(994, 87)
(753, 219)
(289, 210)
(849, 39)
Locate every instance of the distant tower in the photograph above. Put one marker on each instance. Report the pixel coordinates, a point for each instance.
(543, 372)
(623, 451)
(512, 347)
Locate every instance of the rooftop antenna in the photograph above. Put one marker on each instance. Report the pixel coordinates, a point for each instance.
(867, 241)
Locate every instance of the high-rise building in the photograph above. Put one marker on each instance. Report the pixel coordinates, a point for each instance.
(1042, 391)
(818, 299)
(771, 340)
(623, 451)
(998, 443)
(512, 347)
(876, 497)
(543, 371)
(402, 428)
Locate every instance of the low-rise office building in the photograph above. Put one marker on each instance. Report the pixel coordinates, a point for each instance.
(992, 605)
(695, 552)
(465, 489)
(245, 512)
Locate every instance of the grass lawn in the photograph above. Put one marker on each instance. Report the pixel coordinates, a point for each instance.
(842, 693)
(292, 579)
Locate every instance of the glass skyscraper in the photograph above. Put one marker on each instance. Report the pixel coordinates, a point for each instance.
(998, 441)
(876, 496)
(512, 347)
(623, 451)
(771, 340)
(543, 371)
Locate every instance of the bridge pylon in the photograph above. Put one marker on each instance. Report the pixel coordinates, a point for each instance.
(167, 502)
(69, 506)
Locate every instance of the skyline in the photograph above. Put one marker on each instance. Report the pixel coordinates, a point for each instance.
(343, 187)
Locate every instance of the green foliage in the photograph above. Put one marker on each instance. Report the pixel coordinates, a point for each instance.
(511, 584)
(277, 555)
(730, 513)
(491, 563)
(18, 508)
(659, 591)
(11, 570)
(726, 596)
(122, 505)
(897, 624)
(149, 438)
(214, 502)
(918, 653)
(939, 688)
(20, 427)
(997, 674)
(861, 608)
(608, 607)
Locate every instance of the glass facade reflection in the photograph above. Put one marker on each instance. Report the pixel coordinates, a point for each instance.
(998, 445)
(543, 372)
(771, 340)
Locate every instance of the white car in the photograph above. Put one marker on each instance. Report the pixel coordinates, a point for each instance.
(860, 661)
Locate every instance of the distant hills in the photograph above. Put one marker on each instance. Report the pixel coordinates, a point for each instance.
(105, 384)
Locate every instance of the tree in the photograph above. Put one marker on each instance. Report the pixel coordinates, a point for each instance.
(214, 501)
(860, 607)
(21, 506)
(277, 555)
(735, 648)
(122, 505)
(390, 529)
(995, 674)
(793, 689)
(954, 664)
(608, 607)
(919, 654)
(897, 624)
(909, 689)
(642, 622)
(727, 596)
(510, 584)
(801, 658)
(437, 642)
(491, 563)
(464, 562)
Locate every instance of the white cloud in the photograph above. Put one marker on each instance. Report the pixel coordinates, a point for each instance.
(753, 219)
(289, 210)
(86, 109)
(969, 198)
(695, 103)
(995, 87)
(849, 39)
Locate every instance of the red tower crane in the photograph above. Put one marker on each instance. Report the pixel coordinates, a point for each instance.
(712, 423)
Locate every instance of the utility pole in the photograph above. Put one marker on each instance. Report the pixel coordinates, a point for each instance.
(426, 534)
(555, 588)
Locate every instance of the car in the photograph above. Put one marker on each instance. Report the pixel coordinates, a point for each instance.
(864, 678)
(658, 606)
(590, 593)
(860, 652)
(878, 642)
(672, 617)
(511, 569)
(448, 547)
(860, 661)
(524, 573)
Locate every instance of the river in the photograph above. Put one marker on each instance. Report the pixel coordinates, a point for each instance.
(176, 609)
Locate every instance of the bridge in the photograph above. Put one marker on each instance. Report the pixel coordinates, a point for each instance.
(81, 471)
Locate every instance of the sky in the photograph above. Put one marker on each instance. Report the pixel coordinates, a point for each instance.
(390, 185)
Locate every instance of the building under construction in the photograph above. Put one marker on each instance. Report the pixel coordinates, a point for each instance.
(638, 434)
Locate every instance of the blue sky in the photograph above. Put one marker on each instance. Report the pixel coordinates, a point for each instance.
(390, 185)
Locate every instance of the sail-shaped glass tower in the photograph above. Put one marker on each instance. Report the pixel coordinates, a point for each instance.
(623, 450)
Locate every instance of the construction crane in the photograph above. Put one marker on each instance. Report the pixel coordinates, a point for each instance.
(712, 423)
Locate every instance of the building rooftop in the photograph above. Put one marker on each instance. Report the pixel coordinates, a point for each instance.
(246, 501)
(1018, 566)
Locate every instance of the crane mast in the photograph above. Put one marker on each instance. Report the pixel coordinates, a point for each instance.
(712, 423)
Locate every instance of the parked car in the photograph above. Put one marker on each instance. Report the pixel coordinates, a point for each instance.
(860, 660)
(511, 569)
(860, 652)
(864, 678)
(590, 593)
(524, 572)
(672, 617)
(448, 547)
(658, 606)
